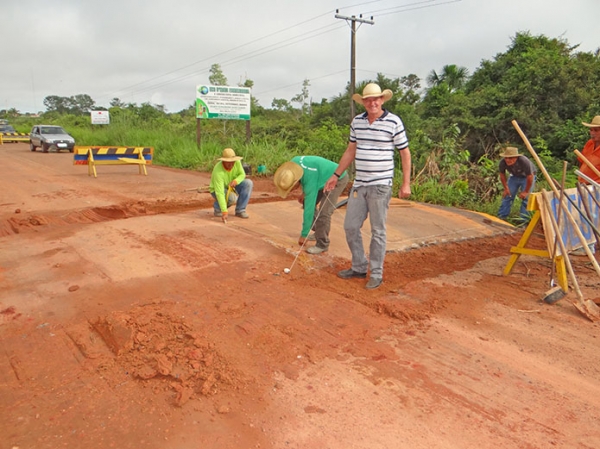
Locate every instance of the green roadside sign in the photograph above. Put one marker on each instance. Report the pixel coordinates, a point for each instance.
(223, 102)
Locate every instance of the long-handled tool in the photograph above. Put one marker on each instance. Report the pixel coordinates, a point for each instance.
(584, 194)
(556, 293)
(587, 178)
(201, 189)
(566, 211)
(587, 162)
(590, 307)
(583, 214)
(595, 186)
(326, 198)
(586, 307)
(589, 194)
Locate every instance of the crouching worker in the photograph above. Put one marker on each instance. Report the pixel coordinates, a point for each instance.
(229, 186)
(521, 182)
(310, 173)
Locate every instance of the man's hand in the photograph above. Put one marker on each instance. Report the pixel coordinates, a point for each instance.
(404, 191)
(224, 217)
(331, 183)
(506, 192)
(301, 240)
(523, 195)
(233, 183)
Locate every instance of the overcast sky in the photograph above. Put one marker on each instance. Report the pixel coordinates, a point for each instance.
(158, 51)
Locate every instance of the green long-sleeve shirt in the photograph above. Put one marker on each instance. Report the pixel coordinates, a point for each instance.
(220, 179)
(317, 171)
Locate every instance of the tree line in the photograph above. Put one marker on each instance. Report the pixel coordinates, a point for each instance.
(457, 122)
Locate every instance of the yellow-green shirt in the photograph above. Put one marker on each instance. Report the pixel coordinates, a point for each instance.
(220, 179)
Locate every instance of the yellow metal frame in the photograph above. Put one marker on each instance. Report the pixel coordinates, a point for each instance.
(516, 251)
(13, 137)
(139, 161)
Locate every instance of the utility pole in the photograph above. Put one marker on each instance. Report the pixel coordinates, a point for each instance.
(352, 20)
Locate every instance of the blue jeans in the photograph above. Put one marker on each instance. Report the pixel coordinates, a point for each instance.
(373, 201)
(243, 191)
(516, 184)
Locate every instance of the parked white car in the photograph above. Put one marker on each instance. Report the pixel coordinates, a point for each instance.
(49, 137)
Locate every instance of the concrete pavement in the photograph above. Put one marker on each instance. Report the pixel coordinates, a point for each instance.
(410, 225)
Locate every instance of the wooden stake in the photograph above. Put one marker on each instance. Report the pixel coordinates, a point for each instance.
(565, 210)
(587, 162)
(592, 312)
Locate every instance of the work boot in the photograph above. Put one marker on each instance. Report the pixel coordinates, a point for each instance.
(242, 214)
(350, 273)
(315, 250)
(218, 213)
(373, 283)
(311, 237)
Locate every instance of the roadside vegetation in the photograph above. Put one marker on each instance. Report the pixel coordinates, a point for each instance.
(457, 122)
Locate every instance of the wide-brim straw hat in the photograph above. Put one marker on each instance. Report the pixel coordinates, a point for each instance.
(510, 152)
(372, 90)
(286, 177)
(595, 122)
(229, 156)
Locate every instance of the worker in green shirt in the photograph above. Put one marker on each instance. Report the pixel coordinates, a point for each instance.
(228, 176)
(311, 173)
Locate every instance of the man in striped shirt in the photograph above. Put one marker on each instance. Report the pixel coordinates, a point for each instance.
(374, 138)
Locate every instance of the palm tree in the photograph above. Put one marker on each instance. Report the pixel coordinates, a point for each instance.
(433, 79)
(455, 77)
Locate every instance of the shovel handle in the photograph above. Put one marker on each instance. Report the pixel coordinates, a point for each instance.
(587, 162)
(563, 249)
(559, 198)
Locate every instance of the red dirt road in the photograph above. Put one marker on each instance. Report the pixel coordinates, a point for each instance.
(132, 318)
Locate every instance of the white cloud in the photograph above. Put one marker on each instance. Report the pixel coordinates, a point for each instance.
(158, 51)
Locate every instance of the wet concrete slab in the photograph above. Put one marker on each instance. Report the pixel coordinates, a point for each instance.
(410, 225)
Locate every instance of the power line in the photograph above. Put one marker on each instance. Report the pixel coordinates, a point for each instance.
(126, 89)
(222, 53)
(404, 8)
(297, 83)
(250, 55)
(270, 48)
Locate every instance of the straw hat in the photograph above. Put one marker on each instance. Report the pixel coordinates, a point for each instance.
(286, 177)
(372, 90)
(229, 156)
(510, 152)
(595, 122)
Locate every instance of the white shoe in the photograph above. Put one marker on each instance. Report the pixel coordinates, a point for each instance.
(315, 250)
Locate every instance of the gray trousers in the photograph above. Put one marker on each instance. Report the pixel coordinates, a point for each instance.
(324, 211)
(373, 201)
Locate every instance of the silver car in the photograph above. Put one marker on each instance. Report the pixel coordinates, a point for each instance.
(49, 137)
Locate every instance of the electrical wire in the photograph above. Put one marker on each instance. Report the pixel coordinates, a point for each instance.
(250, 55)
(272, 47)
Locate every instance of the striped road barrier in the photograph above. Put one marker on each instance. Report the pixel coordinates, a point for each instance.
(13, 137)
(92, 156)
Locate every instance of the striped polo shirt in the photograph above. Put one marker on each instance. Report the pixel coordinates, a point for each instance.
(375, 146)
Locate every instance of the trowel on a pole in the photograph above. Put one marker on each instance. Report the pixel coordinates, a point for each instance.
(201, 189)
